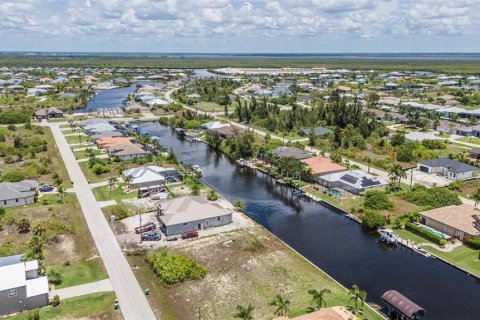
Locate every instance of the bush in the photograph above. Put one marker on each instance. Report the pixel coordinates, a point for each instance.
(434, 144)
(212, 196)
(55, 301)
(33, 315)
(13, 175)
(455, 185)
(377, 200)
(239, 205)
(425, 234)
(253, 244)
(372, 220)
(473, 243)
(54, 277)
(433, 197)
(99, 168)
(120, 212)
(14, 116)
(171, 269)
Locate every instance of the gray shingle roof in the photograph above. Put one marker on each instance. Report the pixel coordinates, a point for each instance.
(286, 152)
(17, 190)
(450, 164)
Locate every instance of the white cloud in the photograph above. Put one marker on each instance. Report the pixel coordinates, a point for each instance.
(160, 21)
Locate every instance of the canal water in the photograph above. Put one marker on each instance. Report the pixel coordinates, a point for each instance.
(335, 244)
(111, 98)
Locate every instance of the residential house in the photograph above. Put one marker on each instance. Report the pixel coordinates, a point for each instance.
(127, 151)
(468, 131)
(352, 181)
(21, 285)
(106, 142)
(318, 131)
(461, 221)
(226, 131)
(191, 213)
(343, 89)
(321, 165)
(287, 152)
(106, 134)
(451, 169)
(14, 194)
(99, 128)
(48, 113)
(157, 102)
(146, 176)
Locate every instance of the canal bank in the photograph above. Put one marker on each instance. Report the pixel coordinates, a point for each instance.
(330, 241)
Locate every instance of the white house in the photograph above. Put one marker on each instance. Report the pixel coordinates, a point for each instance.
(14, 194)
(451, 169)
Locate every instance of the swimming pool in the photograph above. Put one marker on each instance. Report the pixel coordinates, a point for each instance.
(433, 231)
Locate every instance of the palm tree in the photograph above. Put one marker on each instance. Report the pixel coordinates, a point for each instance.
(111, 184)
(61, 193)
(358, 296)
(244, 313)
(396, 174)
(476, 196)
(318, 298)
(282, 304)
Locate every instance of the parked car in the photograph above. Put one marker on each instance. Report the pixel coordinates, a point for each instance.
(172, 239)
(151, 236)
(45, 188)
(189, 234)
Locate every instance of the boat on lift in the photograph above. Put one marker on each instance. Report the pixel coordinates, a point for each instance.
(197, 170)
(388, 236)
(241, 163)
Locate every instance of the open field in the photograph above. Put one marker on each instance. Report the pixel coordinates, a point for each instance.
(252, 268)
(467, 188)
(93, 306)
(83, 154)
(68, 248)
(210, 107)
(189, 62)
(117, 194)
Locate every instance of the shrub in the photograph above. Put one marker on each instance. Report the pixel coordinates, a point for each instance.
(2, 211)
(239, 205)
(14, 116)
(13, 175)
(55, 301)
(455, 185)
(23, 225)
(120, 212)
(171, 269)
(433, 197)
(372, 220)
(377, 200)
(473, 243)
(253, 244)
(99, 168)
(195, 189)
(54, 277)
(212, 196)
(425, 234)
(434, 144)
(33, 315)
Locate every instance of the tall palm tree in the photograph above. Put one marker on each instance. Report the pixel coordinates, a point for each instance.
(61, 193)
(476, 196)
(111, 184)
(282, 304)
(244, 313)
(396, 174)
(318, 299)
(358, 297)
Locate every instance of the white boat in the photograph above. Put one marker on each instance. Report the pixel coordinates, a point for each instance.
(387, 235)
(422, 252)
(197, 169)
(241, 163)
(126, 123)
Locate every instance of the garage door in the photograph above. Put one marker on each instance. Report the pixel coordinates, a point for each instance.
(423, 169)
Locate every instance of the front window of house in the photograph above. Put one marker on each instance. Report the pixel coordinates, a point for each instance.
(12, 292)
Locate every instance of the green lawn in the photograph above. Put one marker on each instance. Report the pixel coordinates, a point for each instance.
(463, 257)
(75, 139)
(209, 107)
(83, 154)
(443, 135)
(79, 272)
(93, 178)
(469, 140)
(89, 306)
(103, 194)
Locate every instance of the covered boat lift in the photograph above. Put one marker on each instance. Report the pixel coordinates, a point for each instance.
(402, 308)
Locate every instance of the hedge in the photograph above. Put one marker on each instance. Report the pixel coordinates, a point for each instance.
(425, 234)
(474, 243)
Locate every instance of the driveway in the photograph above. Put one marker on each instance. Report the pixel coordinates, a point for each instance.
(133, 303)
(83, 289)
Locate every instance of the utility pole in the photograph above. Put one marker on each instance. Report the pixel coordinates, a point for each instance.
(140, 217)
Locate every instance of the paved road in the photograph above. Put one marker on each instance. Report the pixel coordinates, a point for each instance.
(133, 303)
(83, 289)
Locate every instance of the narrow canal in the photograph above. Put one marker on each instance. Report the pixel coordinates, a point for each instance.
(111, 98)
(335, 244)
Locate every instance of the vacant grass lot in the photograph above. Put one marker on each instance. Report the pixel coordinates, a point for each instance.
(83, 139)
(92, 306)
(68, 243)
(469, 140)
(210, 107)
(83, 154)
(274, 269)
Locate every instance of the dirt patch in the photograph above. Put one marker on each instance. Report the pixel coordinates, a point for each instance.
(61, 248)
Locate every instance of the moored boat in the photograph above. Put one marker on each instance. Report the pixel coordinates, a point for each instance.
(388, 236)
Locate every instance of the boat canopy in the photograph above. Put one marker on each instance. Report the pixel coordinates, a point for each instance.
(402, 304)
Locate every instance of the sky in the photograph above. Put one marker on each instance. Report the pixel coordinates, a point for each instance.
(233, 26)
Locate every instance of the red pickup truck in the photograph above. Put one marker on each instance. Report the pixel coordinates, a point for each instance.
(189, 234)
